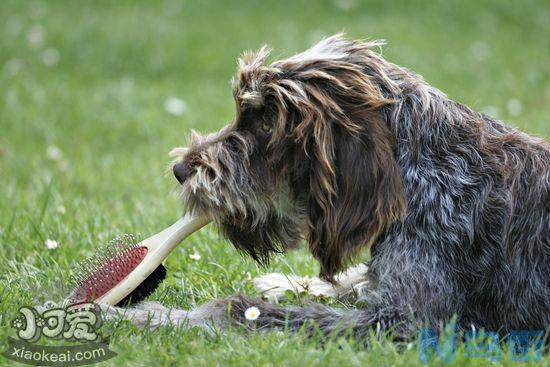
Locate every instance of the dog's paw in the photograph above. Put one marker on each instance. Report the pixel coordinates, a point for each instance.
(274, 286)
(352, 282)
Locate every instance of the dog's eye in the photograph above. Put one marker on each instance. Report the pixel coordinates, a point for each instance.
(266, 128)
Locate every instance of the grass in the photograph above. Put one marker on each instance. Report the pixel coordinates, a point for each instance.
(91, 78)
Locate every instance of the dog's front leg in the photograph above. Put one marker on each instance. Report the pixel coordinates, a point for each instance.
(350, 284)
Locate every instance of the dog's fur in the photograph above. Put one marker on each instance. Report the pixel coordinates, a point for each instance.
(346, 150)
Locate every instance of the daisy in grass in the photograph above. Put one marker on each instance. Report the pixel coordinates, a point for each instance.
(252, 313)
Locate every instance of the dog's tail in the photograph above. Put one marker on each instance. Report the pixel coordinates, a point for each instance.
(311, 316)
(256, 314)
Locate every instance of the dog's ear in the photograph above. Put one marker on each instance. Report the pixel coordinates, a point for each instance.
(356, 190)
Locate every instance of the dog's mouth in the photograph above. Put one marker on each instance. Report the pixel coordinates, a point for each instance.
(216, 177)
(259, 221)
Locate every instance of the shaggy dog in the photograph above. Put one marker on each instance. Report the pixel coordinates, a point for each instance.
(345, 150)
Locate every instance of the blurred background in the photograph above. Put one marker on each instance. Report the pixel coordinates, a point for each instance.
(94, 94)
(107, 80)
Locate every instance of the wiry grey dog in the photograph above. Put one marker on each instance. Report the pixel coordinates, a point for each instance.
(345, 150)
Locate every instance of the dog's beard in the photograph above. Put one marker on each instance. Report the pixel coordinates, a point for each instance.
(254, 223)
(275, 234)
(254, 209)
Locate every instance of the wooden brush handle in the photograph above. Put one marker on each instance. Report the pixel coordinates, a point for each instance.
(159, 247)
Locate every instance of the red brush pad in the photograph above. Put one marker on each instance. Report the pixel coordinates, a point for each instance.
(107, 275)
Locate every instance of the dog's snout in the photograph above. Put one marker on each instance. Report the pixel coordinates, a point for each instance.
(181, 171)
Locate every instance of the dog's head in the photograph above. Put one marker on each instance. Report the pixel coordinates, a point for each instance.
(308, 156)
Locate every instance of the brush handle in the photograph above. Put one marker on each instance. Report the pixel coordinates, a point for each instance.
(159, 247)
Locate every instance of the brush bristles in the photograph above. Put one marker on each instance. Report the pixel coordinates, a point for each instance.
(99, 274)
(117, 246)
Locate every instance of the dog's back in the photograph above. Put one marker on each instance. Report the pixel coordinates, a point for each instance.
(512, 286)
(478, 218)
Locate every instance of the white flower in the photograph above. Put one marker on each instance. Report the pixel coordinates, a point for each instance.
(514, 107)
(54, 153)
(345, 5)
(252, 313)
(196, 256)
(51, 244)
(305, 282)
(175, 106)
(50, 57)
(61, 209)
(13, 67)
(480, 50)
(36, 36)
(127, 84)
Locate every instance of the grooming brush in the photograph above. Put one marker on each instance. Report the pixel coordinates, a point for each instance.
(127, 271)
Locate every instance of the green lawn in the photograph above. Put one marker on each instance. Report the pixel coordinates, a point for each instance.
(91, 78)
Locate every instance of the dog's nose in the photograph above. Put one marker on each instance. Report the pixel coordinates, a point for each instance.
(181, 171)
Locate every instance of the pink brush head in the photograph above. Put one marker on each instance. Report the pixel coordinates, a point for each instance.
(127, 272)
(106, 269)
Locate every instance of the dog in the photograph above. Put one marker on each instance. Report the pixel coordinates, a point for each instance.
(339, 148)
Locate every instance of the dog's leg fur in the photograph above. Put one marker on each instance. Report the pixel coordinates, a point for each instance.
(353, 283)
